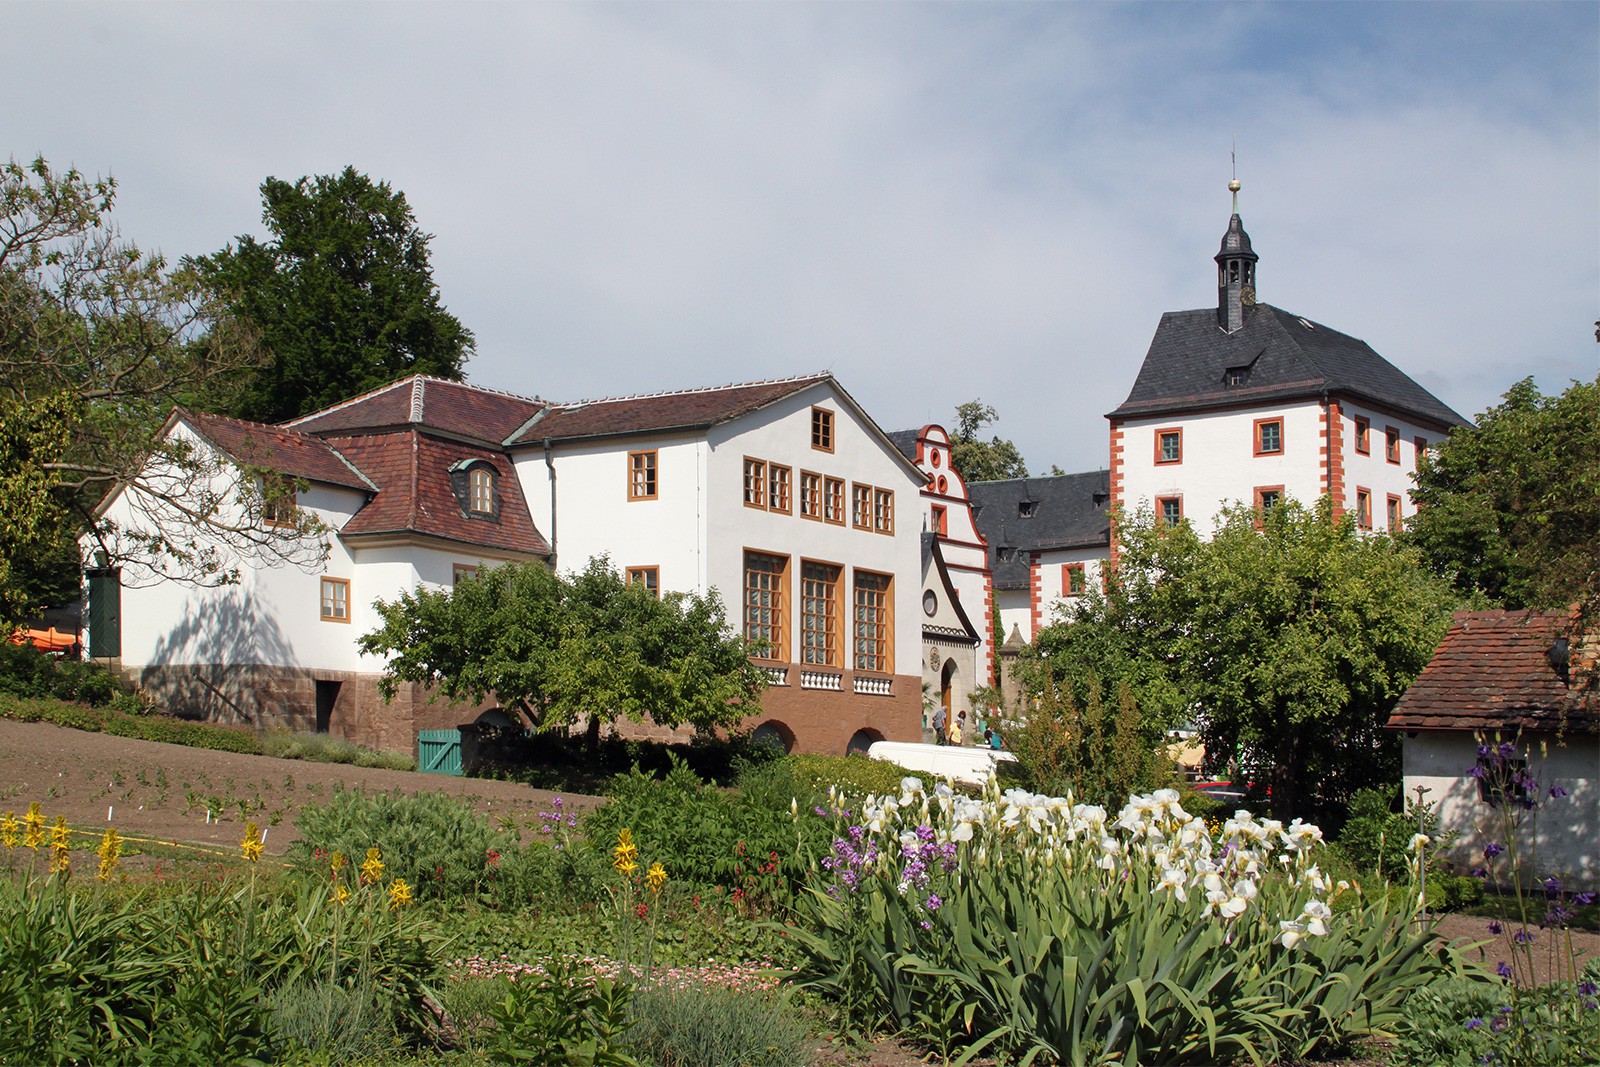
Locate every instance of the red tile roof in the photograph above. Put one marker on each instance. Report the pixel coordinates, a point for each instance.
(656, 412)
(299, 455)
(450, 407)
(412, 471)
(1493, 671)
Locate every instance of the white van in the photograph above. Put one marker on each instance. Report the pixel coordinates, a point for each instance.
(973, 766)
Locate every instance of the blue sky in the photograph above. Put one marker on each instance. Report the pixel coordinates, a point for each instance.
(937, 202)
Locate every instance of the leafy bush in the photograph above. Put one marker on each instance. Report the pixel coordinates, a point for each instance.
(324, 748)
(709, 1026)
(562, 1016)
(141, 727)
(437, 843)
(1376, 834)
(27, 672)
(809, 776)
(1464, 1022)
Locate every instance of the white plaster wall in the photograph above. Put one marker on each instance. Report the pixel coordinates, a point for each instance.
(1219, 464)
(1373, 471)
(1564, 838)
(1016, 611)
(1053, 605)
(965, 552)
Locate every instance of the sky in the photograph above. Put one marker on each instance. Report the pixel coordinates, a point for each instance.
(936, 202)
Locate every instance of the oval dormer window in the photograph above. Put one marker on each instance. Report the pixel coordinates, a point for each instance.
(480, 490)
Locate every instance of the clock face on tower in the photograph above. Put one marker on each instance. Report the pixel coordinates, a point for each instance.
(1247, 296)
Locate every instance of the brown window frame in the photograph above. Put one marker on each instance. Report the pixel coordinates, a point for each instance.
(1420, 446)
(777, 611)
(459, 571)
(1163, 432)
(1161, 508)
(883, 511)
(860, 506)
(831, 617)
(648, 576)
(810, 496)
(1261, 491)
(1392, 512)
(833, 501)
(644, 472)
(941, 520)
(882, 607)
(1391, 444)
(822, 429)
(1261, 424)
(780, 490)
(280, 502)
(1363, 434)
(1363, 507)
(480, 490)
(329, 605)
(755, 483)
(1067, 572)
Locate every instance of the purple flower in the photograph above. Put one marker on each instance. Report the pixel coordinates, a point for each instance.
(1552, 885)
(934, 902)
(1480, 872)
(818, 810)
(1583, 898)
(1522, 937)
(1477, 771)
(1483, 751)
(1473, 1024)
(1496, 928)
(1588, 989)
(1557, 792)
(1507, 750)
(1503, 969)
(1493, 849)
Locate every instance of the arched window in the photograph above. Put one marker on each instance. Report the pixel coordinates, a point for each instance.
(480, 490)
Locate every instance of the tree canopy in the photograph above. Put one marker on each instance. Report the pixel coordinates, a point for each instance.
(97, 342)
(979, 460)
(342, 296)
(562, 648)
(1509, 509)
(1286, 637)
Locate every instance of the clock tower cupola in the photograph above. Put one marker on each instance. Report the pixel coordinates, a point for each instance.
(1236, 271)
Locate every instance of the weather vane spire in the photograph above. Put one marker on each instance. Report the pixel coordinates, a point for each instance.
(1233, 183)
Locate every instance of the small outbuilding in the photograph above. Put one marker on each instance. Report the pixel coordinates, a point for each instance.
(1502, 729)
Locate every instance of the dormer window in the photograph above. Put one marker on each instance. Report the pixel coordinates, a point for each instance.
(480, 491)
(1027, 508)
(1236, 376)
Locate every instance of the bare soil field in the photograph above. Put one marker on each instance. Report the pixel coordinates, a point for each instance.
(163, 792)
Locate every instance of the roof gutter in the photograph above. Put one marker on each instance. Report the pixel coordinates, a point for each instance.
(550, 466)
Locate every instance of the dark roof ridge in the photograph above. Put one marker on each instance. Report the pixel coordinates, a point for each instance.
(197, 418)
(418, 384)
(795, 379)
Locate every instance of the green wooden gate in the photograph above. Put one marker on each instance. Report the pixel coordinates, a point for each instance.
(439, 751)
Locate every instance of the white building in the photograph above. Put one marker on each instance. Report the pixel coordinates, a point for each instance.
(783, 496)
(1248, 403)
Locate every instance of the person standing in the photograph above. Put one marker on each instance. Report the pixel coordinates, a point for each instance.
(940, 718)
(958, 728)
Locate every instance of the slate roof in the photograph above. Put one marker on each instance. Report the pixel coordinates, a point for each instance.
(456, 408)
(906, 442)
(412, 472)
(1286, 356)
(299, 455)
(1493, 671)
(1070, 511)
(686, 409)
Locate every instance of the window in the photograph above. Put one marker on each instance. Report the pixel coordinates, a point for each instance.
(642, 475)
(1169, 509)
(1421, 445)
(883, 510)
(649, 577)
(810, 495)
(1169, 445)
(1268, 497)
(335, 600)
(1236, 376)
(278, 507)
(861, 506)
(833, 501)
(874, 617)
(1073, 580)
(1269, 437)
(1027, 509)
(1364, 508)
(777, 488)
(765, 596)
(819, 614)
(941, 522)
(1502, 779)
(755, 483)
(822, 429)
(460, 572)
(1363, 436)
(1394, 514)
(480, 491)
(1391, 444)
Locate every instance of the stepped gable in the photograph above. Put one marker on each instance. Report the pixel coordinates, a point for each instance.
(1284, 355)
(290, 452)
(686, 409)
(415, 495)
(1494, 671)
(1023, 515)
(436, 404)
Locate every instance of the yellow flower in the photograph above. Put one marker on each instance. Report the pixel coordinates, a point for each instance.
(60, 834)
(109, 851)
(340, 893)
(372, 869)
(338, 862)
(655, 877)
(250, 845)
(626, 866)
(625, 853)
(60, 860)
(33, 826)
(399, 894)
(8, 830)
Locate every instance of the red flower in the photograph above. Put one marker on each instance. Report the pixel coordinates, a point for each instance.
(641, 910)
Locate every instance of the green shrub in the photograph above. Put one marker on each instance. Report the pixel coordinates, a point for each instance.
(27, 672)
(323, 748)
(708, 1026)
(437, 843)
(856, 775)
(563, 1017)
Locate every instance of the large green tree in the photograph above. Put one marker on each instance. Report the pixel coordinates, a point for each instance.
(1509, 509)
(342, 295)
(97, 342)
(979, 460)
(564, 648)
(1287, 638)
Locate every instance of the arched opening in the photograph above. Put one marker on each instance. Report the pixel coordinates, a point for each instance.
(495, 717)
(773, 734)
(947, 688)
(862, 740)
